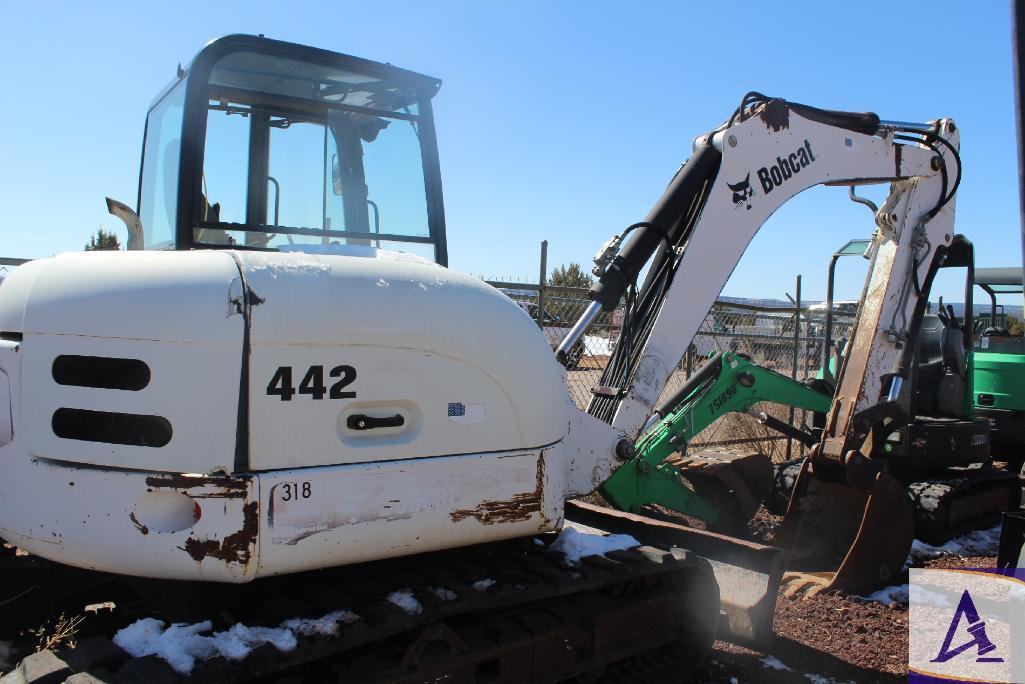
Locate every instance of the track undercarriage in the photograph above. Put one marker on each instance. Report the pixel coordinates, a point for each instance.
(503, 612)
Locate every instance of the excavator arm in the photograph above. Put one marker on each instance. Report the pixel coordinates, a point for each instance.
(656, 474)
(740, 173)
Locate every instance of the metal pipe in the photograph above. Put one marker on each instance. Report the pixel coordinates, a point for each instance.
(578, 330)
(652, 419)
(541, 282)
(827, 341)
(277, 198)
(906, 125)
(1018, 61)
(797, 337)
(377, 219)
(862, 200)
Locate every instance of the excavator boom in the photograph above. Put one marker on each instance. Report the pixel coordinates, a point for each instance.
(739, 174)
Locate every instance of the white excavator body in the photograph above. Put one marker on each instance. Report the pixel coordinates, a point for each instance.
(392, 405)
(267, 391)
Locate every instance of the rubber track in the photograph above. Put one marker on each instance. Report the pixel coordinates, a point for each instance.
(531, 584)
(933, 501)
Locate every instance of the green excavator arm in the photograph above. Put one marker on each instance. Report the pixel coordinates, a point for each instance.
(726, 383)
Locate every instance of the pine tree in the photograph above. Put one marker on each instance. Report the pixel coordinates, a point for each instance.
(102, 240)
(570, 276)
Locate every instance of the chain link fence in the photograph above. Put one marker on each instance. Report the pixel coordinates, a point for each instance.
(788, 340)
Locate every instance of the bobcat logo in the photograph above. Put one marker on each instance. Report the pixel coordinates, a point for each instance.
(742, 192)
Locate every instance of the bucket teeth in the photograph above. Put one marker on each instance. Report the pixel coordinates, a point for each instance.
(843, 537)
(806, 584)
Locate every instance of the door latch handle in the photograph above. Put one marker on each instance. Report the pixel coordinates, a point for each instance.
(359, 421)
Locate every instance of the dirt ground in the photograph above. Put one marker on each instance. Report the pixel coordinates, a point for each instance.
(827, 639)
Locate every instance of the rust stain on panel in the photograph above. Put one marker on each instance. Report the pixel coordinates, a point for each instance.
(135, 521)
(226, 487)
(517, 508)
(775, 115)
(236, 547)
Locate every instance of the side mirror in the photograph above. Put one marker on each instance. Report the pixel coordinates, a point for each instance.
(136, 238)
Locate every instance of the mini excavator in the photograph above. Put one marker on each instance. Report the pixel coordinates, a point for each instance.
(282, 375)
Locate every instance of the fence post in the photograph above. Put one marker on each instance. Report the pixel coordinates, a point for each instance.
(541, 282)
(797, 342)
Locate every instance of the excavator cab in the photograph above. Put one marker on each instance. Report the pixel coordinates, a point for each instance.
(267, 145)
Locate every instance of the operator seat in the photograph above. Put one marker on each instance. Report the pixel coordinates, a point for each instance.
(942, 368)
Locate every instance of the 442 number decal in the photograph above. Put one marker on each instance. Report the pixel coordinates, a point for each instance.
(312, 384)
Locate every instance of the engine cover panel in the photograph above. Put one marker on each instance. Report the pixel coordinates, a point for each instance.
(435, 362)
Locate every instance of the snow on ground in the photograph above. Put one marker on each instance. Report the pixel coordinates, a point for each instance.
(819, 679)
(775, 663)
(975, 543)
(887, 595)
(182, 645)
(404, 599)
(6, 648)
(577, 542)
(484, 584)
(324, 626)
(597, 346)
(444, 594)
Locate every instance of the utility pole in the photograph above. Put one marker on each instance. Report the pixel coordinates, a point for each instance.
(1018, 58)
(542, 283)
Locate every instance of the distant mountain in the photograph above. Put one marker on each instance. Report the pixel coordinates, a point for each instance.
(981, 308)
(767, 303)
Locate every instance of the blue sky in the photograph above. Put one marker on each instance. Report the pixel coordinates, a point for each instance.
(558, 121)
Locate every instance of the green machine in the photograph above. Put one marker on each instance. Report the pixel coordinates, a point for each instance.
(999, 377)
(721, 488)
(932, 453)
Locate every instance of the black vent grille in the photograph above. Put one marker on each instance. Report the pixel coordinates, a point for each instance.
(111, 428)
(101, 372)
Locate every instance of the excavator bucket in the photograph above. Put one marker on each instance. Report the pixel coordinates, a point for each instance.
(748, 573)
(736, 482)
(842, 537)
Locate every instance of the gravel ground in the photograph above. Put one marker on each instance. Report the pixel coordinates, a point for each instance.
(959, 562)
(827, 639)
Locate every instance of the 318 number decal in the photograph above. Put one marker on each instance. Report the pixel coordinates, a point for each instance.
(296, 490)
(312, 384)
